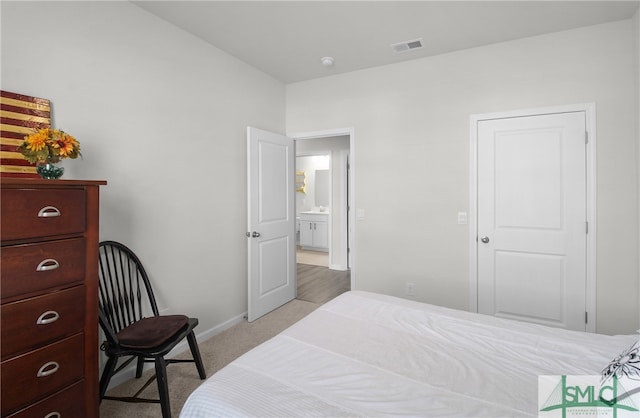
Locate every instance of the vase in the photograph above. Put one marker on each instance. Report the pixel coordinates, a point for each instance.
(49, 171)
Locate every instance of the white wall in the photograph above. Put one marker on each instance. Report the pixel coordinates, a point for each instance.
(162, 117)
(412, 155)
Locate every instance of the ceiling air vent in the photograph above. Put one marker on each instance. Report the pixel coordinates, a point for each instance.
(407, 46)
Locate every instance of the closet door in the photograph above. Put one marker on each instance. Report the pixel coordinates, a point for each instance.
(532, 237)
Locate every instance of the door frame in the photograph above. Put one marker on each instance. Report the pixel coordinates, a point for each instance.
(351, 186)
(590, 117)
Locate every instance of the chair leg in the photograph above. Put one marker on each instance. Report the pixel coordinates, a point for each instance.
(109, 367)
(139, 366)
(193, 345)
(163, 390)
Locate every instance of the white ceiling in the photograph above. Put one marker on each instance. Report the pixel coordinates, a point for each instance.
(287, 39)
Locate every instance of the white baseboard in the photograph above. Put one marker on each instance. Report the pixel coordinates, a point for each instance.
(130, 372)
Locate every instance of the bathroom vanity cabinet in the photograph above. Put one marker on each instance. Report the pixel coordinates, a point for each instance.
(314, 231)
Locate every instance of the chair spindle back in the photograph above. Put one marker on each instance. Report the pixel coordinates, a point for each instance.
(124, 287)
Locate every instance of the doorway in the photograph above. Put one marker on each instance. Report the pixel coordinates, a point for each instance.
(271, 265)
(533, 202)
(338, 146)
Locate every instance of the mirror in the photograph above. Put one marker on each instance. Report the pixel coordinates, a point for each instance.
(313, 182)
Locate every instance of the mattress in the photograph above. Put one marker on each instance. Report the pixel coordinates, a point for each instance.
(366, 354)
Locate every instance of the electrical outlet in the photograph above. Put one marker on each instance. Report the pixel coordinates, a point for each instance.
(410, 289)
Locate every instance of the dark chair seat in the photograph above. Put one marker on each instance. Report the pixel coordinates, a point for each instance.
(126, 295)
(153, 332)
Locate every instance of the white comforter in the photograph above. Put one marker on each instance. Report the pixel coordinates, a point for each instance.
(365, 354)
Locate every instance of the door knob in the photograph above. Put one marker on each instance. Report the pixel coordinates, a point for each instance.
(484, 239)
(255, 234)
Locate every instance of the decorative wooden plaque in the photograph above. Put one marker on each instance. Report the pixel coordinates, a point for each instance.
(20, 115)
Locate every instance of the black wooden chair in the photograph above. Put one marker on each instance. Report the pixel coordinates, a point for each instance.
(133, 329)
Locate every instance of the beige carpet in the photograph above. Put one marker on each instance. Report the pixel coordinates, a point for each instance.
(216, 352)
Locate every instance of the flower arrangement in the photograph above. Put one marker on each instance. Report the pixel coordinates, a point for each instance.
(49, 145)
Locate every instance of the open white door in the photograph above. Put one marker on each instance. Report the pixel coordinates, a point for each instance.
(271, 221)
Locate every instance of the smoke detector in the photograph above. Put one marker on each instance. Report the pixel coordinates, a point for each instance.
(327, 61)
(407, 46)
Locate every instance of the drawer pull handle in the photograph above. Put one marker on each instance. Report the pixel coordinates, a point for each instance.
(48, 369)
(48, 264)
(48, 317)
(53, 415)
(49, 212)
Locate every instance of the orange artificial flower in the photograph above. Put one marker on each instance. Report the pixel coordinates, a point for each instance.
(49, 145)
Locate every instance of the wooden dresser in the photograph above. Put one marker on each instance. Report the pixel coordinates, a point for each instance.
(48, 292)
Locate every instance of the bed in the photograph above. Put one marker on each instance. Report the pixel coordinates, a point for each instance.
(366, 354)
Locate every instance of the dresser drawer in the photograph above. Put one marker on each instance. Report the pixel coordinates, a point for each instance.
(30, 323)
(31, 213)
(41, 372)
(68, 403)
(39, 266)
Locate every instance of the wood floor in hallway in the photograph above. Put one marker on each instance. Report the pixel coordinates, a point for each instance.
(319, 284)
